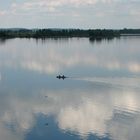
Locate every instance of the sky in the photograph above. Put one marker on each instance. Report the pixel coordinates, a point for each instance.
(82, 14)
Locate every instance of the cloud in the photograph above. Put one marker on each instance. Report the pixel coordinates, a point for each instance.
(56, 5)
(48, 6)
(83, 13)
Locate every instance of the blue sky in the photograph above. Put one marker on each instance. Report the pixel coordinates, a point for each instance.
(70, 13)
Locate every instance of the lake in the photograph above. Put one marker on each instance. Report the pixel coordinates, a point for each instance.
(100, 99)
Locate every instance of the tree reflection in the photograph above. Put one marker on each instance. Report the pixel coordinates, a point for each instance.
(99, 40)
(55, 39)
(2, 40)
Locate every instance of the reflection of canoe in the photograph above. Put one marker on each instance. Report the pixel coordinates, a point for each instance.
(61, 77)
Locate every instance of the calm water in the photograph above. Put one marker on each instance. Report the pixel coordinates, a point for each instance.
(99, 101)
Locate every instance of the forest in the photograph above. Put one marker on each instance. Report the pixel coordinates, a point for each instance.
(50, 33)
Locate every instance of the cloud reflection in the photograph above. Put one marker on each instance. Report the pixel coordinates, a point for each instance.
(102, 107)
(83, 112)
(53, 59)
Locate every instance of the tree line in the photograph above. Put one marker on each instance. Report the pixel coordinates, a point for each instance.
(46, 33)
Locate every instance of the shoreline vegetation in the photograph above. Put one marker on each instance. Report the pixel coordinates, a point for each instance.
(92, 34)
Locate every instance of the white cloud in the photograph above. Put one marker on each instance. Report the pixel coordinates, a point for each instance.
(50, 6)
(61, 13)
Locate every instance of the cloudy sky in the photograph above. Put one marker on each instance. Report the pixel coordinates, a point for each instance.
(70, 13)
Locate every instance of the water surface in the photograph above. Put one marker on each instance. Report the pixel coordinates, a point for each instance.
(100, 99)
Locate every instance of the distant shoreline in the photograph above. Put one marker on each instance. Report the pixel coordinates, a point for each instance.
(66, 33)
(130, 34)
